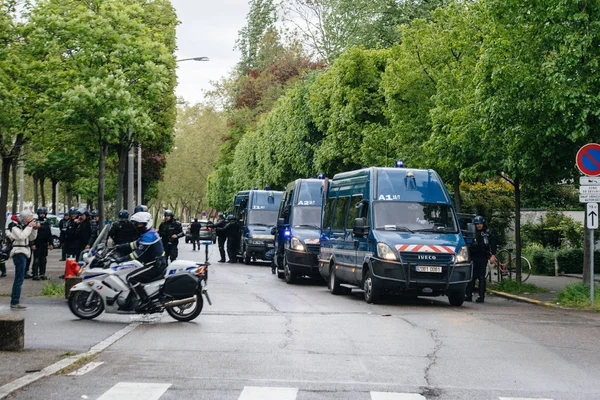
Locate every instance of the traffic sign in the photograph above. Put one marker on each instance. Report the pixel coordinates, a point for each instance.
(589, 181)
(588, 159)
(589, 194)
(591, 213)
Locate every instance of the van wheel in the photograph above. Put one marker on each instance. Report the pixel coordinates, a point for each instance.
(246, 257)
(290, 277)
(371, 288)
(456, 297)
(334, 284)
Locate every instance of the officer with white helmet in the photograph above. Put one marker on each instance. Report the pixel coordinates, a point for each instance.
(148, 250)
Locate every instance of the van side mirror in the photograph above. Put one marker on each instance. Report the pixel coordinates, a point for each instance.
(274, 230)
(360, 227)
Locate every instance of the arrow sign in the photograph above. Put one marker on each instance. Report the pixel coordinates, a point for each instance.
(591, 214)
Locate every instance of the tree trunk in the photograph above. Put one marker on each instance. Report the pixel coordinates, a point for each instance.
(457, 199)
(90, 204)
(35, 192)
(518, 227)
(121, 174)
(15, 188)
(101, 172)
(5, 182)
(53, 182)
(586, 253)
(43, 195)
(69, 198)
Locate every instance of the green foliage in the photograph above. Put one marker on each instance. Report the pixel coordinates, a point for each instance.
(515, 287)
(570, 260)
(542, 259)
(554, 230)
(52, 289)
(577, 295)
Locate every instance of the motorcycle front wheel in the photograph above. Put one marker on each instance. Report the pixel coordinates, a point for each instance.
(78, 304)
(187, 312)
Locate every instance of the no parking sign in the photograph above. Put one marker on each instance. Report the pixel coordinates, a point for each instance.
(588, 159)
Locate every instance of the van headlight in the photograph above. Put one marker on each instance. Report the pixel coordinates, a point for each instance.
(463, 255)
(297, 245)
(384, 251)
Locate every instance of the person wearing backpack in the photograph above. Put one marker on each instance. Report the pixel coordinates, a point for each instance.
(21, 233)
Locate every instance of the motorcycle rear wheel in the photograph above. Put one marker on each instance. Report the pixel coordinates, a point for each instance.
(187, 312)
(77, 304)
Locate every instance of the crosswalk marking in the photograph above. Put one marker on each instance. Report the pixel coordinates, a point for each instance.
(86, 368)
(268, 393)
(396, 396)
(135, 391)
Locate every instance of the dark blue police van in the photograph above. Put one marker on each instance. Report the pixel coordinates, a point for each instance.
(393, 230)
(257, 212)
(298, 231)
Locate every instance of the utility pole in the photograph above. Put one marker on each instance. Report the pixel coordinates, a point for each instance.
(139, 175)
(130, 160)
(21, 180)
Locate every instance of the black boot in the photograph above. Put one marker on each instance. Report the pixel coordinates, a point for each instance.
(142, 295)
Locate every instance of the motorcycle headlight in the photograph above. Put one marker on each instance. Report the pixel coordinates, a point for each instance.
(297, 245)
(384, 251)
(463, 255)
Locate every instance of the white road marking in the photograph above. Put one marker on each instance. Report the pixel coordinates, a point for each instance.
(268, 393)
(135, 391)
(396, 396)
(64, 363)
(86, 368)
(521, 398)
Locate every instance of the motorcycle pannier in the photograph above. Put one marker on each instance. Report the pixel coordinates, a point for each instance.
(180, 286)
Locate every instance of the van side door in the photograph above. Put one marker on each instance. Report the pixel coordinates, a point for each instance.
(359, 244)
(344, 250)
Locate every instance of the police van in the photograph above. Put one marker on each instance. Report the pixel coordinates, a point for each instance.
(393, 230)
(257, 212)
(298, 231)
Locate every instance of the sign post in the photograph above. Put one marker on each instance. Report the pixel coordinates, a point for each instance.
(588, 162)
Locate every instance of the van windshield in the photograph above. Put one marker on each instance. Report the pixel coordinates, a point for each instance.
(306, 217)
(262, 217)
(414, 217)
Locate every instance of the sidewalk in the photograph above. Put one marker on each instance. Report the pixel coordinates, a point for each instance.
(554, 285)
(51, 331)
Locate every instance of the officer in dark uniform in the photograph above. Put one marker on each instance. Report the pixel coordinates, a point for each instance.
(221, 236)
(170, 231)
(95, 228)
(195, 231)
(122, 230)
(70, 234)
(482, 249)
(62, 225)
(42, 242)
(232, 230)
(148, 250)
(83, 232)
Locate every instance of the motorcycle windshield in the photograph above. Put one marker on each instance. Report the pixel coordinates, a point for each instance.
(101, 240)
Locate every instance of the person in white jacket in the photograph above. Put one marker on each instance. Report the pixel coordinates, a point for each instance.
(21, 235)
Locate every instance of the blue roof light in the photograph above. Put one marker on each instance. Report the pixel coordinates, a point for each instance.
(399, 164)
(321, 176)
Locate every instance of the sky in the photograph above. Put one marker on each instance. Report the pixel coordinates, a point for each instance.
(207, 28)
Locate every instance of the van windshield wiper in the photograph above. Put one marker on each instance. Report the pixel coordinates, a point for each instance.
(396, 228)
(307, 226)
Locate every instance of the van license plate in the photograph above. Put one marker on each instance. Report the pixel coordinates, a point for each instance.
(428, 268)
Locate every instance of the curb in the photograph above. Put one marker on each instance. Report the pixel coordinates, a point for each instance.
(64, 363)
(523, 299)
(597, 280)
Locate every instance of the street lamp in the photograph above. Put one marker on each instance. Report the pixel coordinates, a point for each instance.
(194, 59)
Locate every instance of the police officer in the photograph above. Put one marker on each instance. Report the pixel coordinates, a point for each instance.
(232, 231)
(70, 234)
(42, 242)
(482, 249)
(140, 208)
(83, 232)
(123, 230)
(148, 250)
(95, 228)
(62, 225)
(170, 231)
(221, 236)
(195, 231)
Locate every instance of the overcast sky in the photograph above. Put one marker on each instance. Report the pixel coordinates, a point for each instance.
(207, 28)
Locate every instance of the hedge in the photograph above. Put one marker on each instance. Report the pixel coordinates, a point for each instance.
(570, 261)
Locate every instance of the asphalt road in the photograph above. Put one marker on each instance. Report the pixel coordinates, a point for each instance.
(263, 339)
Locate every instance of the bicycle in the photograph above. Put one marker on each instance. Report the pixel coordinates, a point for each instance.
(506, 265)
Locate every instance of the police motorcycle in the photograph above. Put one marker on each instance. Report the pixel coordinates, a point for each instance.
(104, 286)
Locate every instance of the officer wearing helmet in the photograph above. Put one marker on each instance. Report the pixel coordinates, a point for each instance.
(40, 246)
(83, 232)
(140, 208)
(123, 230)
(170, 231)
(95, 228)
(232, 230)
(221, 235)
(70, 234)
(482, 250)
(62, 225)
(148, 250)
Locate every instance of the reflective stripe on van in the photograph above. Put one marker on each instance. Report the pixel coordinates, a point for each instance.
(422, 248)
